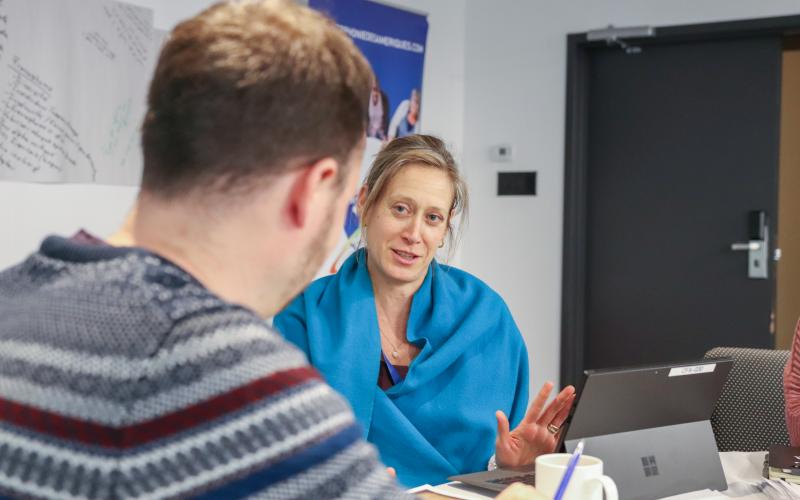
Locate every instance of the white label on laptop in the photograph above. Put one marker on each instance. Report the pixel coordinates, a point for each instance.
(692, 370)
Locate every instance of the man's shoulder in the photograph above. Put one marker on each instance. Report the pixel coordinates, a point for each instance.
(124, 303)
(133, 366)
(127, 338)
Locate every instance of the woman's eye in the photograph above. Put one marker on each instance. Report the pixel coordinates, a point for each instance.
(400, 209)
(435, 218)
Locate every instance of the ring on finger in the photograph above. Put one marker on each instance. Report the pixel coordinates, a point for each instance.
(553, 428)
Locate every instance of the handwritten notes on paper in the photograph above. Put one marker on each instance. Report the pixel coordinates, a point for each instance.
(133, 26)
(35, 137)
(72, 90)
(101, 44)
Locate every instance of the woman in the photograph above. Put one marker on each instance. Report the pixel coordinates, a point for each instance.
(425, 353)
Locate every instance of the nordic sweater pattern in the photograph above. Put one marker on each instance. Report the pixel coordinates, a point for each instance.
(122, 376)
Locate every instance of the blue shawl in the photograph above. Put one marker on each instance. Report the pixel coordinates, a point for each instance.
(440, 420)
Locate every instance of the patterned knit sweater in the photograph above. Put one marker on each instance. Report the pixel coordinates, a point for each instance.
(122, 376)
(791, 388)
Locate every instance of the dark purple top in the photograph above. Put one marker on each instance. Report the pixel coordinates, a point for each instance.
(86, 238)
(385, 378)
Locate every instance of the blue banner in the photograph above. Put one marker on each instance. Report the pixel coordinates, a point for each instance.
(393, 41)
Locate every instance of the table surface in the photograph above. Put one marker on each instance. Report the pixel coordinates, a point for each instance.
(742, 470)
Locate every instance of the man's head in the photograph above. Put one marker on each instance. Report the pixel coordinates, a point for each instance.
(247, 90)
(253, 137)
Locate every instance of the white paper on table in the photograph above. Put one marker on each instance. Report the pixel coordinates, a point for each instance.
(697, 495)
(72, 90)
(742, 465)
(453, 490)
(772, 489)
(743, 473)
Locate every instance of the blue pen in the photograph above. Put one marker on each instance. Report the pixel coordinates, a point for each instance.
(573, 461)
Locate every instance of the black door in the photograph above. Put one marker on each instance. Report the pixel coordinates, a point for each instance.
(670, 151)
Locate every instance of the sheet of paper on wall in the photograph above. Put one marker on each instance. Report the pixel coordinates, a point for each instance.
(72, 90)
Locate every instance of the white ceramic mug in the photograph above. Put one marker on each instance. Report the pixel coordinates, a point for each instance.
(587, 482)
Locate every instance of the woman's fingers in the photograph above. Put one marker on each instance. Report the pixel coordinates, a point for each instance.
(562, 415)
(563, 399)
(538, 403)
(503, 432)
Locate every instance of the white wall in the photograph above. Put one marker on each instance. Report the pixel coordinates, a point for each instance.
(515, 80)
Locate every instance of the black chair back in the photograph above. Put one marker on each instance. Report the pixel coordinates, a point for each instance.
(750, 413)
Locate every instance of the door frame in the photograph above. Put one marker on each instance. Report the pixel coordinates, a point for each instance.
(574, 252)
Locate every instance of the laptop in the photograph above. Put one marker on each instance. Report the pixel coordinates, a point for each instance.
(650, 425)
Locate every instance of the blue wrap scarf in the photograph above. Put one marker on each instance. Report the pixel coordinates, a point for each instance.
(440, 420)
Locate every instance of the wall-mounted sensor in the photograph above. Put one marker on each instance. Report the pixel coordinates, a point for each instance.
(501, 152)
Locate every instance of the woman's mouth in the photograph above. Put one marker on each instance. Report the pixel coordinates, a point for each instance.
(405, 257)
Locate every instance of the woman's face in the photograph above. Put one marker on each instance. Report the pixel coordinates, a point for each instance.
(408, 223)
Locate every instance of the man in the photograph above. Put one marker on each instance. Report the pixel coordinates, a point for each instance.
(147, 370)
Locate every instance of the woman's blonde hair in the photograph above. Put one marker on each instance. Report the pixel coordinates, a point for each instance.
(417, 149)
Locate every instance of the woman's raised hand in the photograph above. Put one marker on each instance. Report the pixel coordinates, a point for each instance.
(538, 431)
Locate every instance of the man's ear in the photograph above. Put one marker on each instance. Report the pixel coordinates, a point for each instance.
(311, 189)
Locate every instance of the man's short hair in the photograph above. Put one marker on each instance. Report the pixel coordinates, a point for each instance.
(247, 90)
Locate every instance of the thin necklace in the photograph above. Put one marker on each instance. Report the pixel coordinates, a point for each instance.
(394, 353)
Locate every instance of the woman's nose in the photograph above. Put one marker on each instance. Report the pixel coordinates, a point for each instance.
(412, 230)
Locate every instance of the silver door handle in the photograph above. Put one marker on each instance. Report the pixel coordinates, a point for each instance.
(757, 246)
(750, 246)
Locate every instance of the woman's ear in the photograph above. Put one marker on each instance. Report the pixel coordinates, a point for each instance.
(362, 200)
(449, 224)
(448, 227)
